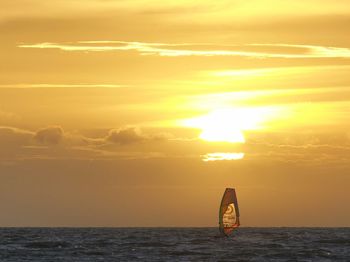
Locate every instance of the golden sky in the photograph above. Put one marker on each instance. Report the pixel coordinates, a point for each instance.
(141, 113)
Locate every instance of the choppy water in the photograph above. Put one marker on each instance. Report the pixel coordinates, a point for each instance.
(174, 244)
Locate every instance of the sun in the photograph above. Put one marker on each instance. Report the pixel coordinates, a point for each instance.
(228, 124)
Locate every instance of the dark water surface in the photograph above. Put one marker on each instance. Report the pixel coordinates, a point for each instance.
(174, 244)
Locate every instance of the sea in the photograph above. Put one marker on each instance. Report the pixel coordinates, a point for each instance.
(174, 244)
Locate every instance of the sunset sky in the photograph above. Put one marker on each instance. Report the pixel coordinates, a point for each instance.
(141, 113)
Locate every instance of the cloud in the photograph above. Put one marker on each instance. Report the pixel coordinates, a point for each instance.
(300, 148)
(8, 116)
(131, 143)
(53, 143)
(14, 136)
(52, 135)
(12, 143)
(219, 156)
(125, 136)
(162, 136)
(207, 11)
(59, 86)
(279, 50)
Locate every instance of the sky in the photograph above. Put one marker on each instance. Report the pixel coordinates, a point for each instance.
(141, 113)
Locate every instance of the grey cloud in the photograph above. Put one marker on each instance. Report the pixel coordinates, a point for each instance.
(125, 136)
(14, 136)
(52, 135)
(19, 145)
(12, 142)
(131, 135)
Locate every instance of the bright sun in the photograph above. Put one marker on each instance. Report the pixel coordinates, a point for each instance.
(227, 125)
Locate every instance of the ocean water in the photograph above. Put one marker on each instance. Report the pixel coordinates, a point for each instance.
(174, 244)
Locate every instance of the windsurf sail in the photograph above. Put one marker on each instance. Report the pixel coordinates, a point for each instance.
(229, 212)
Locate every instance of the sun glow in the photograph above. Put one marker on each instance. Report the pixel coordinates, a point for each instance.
(227, 125)
(215, 134)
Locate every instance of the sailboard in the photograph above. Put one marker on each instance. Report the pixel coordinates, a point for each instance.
(228, 212)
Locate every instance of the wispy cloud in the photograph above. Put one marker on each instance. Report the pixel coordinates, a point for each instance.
(201, 49)
(222, 156)
(4, 115)
(82, 85)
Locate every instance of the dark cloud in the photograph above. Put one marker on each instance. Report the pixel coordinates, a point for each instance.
(14, 136)
(12, 143)
(51, 135)
(124, 136)
(55, 135)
